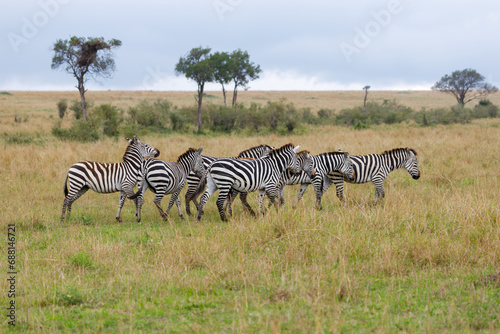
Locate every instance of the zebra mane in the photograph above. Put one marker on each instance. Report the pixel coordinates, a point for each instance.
(186, 154)
(333, 153)
(281, 149)
(253, 148)
(303, 152)
(400, 149)
(129, 147)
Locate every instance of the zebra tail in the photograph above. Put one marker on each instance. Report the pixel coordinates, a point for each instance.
(66, 186)
(200, 189)
(134, 196)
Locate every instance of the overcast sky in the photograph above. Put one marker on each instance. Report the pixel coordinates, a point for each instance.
(299, 45)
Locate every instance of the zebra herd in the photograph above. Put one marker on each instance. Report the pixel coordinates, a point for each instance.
(262, 168)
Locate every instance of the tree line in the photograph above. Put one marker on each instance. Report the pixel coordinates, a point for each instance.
(221, 67)
(83, 57)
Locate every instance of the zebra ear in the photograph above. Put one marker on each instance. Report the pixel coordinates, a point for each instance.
(136, 139)
(129, 140)
(346, 154)
(296, 149)
(200, 150)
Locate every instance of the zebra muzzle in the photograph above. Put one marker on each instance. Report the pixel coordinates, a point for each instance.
(157, 153)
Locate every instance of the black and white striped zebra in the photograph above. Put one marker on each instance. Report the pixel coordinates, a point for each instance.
(376, 167)
(163, 178)
(247, 176)
(323, 164)
(306, 165)
(107, 177)
(194, 181)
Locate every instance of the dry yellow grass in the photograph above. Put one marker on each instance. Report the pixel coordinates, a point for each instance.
(418, 262)
(22, 101)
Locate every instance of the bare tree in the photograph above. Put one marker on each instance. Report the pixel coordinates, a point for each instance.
(82, 56)
(366, 96)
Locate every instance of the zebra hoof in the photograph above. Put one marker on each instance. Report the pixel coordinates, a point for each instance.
(119, 219)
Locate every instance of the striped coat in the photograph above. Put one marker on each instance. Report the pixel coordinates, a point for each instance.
(376, 167)
(167, 178)
(194, 181)
(261, 175)
(107, 177)
(323, 164)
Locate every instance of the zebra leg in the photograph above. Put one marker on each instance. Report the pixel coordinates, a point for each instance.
(70, 199)
(302, 190)
(229, 202)
(223, 194)
(379, 189)
(189, 192)
(175, 199)
(262, 194)
(282, 194)
(318, 189)
(339, 187)
(123, 196)
(246, 205)
(139, 201)
(157, 202)
(211, 188)
(273, 195)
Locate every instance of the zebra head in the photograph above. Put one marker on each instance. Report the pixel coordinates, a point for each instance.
(411, 163)
(293, 165)
(286, 158)
(192, 161)
(144, 150)
(199, 167)
(346, 167)
(306, 163)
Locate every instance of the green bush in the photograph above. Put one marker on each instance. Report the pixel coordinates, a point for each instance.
(221, 118)
(456, 114)
(151, 114)
(62, 106)
(108, 117)
(84, 131)
(484, 109)
(389, 112)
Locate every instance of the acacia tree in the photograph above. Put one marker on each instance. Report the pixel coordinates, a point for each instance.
(197, 66)
(465, 85)
(81, 56)
(242, 71)
(222, 70)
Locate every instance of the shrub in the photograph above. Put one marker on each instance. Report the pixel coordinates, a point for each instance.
(484, 109)
(84, 131)
(76, 106)
(389, 112)
(151, 114)
(109, 119)
(62, 106)
(221, 118)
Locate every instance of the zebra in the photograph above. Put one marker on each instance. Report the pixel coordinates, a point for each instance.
(376, 168)
(324, 164)
(194, 181)
(167, 178)
(245, 175)
(306, 166)
(107, 177)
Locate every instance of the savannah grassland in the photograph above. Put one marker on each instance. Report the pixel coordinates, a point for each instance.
(420, 261)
